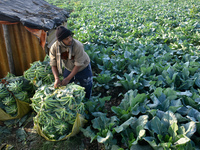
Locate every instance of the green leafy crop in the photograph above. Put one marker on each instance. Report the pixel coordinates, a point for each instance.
(12, 88)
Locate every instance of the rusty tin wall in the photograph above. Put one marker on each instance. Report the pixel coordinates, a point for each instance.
(25, 47)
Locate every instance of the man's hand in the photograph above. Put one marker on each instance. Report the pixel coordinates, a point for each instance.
(65, 81)
(57, 83)
(71, 75)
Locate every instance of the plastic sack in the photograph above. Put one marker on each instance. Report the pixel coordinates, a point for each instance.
(79, 122)
(23, 109)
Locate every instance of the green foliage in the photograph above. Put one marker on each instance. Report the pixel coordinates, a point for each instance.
(152, 51)
(166, 134)
(104, 127)
(132, 104)
(9, 100)
(11, 110)
(96, 104)
(4, 132)
(103, 80)
(3, 91)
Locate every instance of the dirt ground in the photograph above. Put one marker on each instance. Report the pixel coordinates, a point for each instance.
(33, 141)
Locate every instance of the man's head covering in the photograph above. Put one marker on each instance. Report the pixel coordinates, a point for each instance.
(62, 33)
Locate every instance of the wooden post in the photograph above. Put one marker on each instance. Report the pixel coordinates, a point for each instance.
(8, 49)
(46, 49)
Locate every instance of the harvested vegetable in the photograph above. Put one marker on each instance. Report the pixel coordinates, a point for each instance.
(40, 73)
(57, 109)
(12, 88)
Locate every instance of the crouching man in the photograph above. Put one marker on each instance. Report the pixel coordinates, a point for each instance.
(69, 53)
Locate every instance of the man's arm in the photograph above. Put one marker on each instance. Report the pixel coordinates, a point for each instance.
(57, 82)
(71, 75)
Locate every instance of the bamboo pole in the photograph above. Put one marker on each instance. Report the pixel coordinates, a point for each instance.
(8, 48)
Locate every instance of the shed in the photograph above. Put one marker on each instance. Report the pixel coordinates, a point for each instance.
(24, 26)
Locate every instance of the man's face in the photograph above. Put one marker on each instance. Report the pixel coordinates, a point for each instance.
(68, 41)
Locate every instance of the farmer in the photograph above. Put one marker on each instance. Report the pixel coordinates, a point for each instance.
(69, 53)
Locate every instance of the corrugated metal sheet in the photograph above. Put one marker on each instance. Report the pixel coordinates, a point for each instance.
(4, 68)
(25, 47)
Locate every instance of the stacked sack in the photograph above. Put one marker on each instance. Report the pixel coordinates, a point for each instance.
(15, 94)
(59, 111)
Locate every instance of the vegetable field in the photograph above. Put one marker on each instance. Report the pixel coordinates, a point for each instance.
(146, 66)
